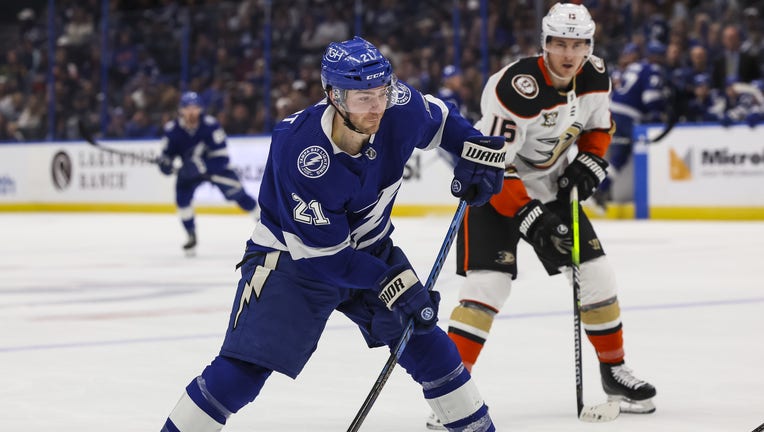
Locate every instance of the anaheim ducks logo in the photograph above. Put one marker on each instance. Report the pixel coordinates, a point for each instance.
(526, 86)
(550, 119)
(505, 258)
(551, 149)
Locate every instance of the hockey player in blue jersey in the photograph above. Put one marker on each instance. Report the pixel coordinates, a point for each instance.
(200, 143)
(323, 243)
(640, 97)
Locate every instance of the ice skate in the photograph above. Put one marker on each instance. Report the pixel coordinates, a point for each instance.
(189, 248)
(433, 422)
(634, 394)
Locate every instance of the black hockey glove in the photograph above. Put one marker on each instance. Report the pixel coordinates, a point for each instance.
(401, 292)
(165, 165)
(479, 173)
(586, 172)
(545, 232)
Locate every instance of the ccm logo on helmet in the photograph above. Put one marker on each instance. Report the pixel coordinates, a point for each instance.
(372, 76)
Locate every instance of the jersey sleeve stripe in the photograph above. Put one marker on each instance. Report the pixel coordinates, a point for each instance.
(435, 142)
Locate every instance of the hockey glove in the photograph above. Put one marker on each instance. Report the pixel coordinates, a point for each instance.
(192, 170)
(401, 292)
(545, 232)
(479, 173)
(165, 165)
(586, 172)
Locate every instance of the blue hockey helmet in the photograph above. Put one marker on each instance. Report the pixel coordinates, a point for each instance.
(353, 65)
(190, 98)
(356, 64)
(656, 48)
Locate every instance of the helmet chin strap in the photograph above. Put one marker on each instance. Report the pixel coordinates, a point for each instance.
(345, 117)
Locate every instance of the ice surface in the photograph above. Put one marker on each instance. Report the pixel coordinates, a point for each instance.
(103, 322)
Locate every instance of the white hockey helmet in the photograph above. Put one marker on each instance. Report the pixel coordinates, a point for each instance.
(568, 20)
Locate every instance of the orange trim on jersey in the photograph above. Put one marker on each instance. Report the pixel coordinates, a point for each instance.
(594, 141)
(512, 197)
(544, 71)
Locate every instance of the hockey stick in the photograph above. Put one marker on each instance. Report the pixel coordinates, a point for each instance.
(672, 115)
(409, 330)
(88, 136)
(597, 413)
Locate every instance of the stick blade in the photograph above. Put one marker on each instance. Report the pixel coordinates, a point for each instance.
(601, 413)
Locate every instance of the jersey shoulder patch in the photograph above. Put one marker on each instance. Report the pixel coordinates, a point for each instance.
(522, 89)
(313, 161)
(593, 77)
(169, 126)
(402, 94)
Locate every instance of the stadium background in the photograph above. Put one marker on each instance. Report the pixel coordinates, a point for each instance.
(121, 65)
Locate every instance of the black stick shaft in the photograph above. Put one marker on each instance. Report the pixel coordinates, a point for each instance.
(409, 330)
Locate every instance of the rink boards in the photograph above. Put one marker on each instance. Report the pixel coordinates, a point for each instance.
(698, 172)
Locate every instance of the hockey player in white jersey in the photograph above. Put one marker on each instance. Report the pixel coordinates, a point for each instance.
(544, 105)
(323, 243)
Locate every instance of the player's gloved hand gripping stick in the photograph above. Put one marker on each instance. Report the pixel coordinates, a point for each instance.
(409, 330)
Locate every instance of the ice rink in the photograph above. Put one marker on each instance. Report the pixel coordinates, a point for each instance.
(103, 322)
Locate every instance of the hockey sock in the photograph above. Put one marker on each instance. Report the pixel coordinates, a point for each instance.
(608, 344)
(469, 327)
(433, 361)
(224, 387)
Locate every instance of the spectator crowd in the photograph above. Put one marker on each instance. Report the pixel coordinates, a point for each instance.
(714, 56)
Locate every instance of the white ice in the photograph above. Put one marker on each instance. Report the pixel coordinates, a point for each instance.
(103, 323)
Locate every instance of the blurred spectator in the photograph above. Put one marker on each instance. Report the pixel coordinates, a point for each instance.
(117, 124)
(734, 63)
(226, 60)
(31, 121)
(700, 107)
(124, 62)
(451, 87)
(140, 126)
(743, 102)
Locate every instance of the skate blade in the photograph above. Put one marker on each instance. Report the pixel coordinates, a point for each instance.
(631, 406)
(190, 253)
(601, 413)
(433, 423)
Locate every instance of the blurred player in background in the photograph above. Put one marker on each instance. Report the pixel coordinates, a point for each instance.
(323, 243)
(642, 96)
(199, 142)
(544, 105)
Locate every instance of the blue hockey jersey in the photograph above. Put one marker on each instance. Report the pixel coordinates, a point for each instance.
(202, 150)
(641, 93)
(331, 210)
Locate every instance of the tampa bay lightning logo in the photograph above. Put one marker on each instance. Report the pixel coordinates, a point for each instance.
(456, 186)
(402, 94)
(427, 314)
(313, 162)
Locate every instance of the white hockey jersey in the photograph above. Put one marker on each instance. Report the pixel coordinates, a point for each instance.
(541, 123)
